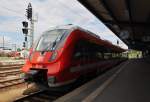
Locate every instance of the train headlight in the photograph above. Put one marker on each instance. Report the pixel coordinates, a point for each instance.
(51, 79)
(53, 57)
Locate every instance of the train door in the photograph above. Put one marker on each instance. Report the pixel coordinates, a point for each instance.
(76, 59)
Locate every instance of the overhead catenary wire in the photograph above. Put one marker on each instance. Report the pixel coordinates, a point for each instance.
(11, 10)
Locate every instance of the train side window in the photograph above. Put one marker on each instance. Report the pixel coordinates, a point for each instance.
(77, 55)
(80, 50)
(77, 51)
(99, 55)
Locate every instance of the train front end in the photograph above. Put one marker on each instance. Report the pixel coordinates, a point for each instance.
(44, 62)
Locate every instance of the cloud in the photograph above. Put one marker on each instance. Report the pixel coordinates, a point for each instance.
(50, 13)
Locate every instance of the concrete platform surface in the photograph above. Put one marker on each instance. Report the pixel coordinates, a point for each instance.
(129, 83)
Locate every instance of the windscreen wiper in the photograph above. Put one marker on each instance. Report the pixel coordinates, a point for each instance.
(53, 46)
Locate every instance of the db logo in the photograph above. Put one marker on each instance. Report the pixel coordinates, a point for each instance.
(40, 59)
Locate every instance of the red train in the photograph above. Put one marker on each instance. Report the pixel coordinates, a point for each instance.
(64, 54)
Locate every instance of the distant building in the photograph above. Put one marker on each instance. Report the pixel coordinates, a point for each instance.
(5, 50)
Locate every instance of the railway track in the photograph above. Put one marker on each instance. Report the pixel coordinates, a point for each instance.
(51, 95)
(11, 66)
(10, 82)
(10, 75)
(41, 96)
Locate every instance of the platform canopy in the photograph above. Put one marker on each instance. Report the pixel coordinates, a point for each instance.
(128, 19)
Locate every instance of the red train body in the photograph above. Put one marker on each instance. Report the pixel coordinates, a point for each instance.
(62, 55)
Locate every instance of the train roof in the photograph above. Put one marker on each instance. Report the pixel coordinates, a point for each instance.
(72, 27)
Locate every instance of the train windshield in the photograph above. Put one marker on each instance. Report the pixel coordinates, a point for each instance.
(50, 39)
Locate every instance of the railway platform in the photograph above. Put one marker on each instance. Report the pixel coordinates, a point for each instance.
(128, 82)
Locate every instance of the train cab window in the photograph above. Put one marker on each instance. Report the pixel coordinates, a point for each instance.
(50, 39)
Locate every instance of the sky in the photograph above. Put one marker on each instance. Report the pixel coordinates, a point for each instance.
(48, 13)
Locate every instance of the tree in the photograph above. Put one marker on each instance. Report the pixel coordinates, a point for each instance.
(18, 49)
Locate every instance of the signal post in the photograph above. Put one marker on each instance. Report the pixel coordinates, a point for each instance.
(29, 15)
